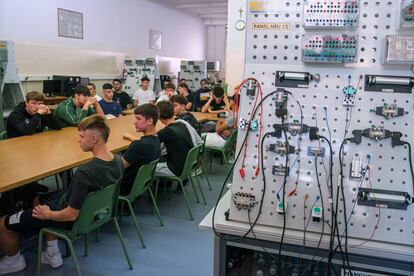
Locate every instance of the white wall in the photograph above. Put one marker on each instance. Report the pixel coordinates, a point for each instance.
(111, 28)
(216, 46)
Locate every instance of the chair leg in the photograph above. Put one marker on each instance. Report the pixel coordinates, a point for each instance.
(186, 200)
(121, 213)
(122, 243)
(86, 245)
(211, 159)
(201, 190)
(72, 253)
(154, 203)
(194, 189)
(39, 251)
(205, 174)
(156, 189)
(225, 158)
(97, 234)
(136, 223)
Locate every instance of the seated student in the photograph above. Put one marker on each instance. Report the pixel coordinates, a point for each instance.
(81, 105)
(92, 90)
(169, 91)
(184, 91)
(180, 112)
(121, 96)
(62, 209)
(144, 150)
(31, 117)
(223, 131)
(177, 140)
(217, 103)
(184, 81)
(144, 95)
(109, 107)
(201, 95)
(162, 92)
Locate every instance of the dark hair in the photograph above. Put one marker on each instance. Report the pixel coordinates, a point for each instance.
(178, 99)
(218, 91)
(183, 85)
(118, 80)
(204, 80)
(81, 89)
(166, 109)
(107, 86)
(96, 122)
(34, 96)
(145, 79)
(92, 84)
(183, 79)
(149, 111)
(169, 86)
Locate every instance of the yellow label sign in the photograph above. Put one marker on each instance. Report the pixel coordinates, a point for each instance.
(271, 26)
(263, 7)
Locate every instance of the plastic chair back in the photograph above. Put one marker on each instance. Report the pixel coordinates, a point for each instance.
(191, 161)
(98, 208)
(3, 135)
(142, 180)
(230, 141)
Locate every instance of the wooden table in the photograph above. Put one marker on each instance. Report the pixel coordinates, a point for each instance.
(200, 116)
(55, 100)
(29, 158)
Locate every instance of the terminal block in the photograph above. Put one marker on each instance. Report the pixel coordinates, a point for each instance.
(329, 48)
(253, 125)
(281, 148)
(244, 200)
(331, 15)
(349, 95)
(280, 170)
(356, 170)
(389, 111)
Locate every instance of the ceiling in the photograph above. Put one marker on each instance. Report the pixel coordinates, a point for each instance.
(213, 12)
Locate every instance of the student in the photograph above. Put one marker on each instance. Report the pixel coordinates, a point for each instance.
(81, 105)
(184, 91)
(31, 117)
(181, 113)
(217, 103)
(62, 209)
(169, 91)
(144, 95)
(162, 92)
(177, 140)
(120, 96)
(201, 95)
(144, 150)
(223, 131)
(109, 107)
(92, 90)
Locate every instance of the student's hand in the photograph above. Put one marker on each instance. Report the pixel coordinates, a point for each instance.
(43, 110)
(41, 212)
(129, 137)
(226, 132)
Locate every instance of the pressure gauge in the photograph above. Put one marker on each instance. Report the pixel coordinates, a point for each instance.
(240, 25)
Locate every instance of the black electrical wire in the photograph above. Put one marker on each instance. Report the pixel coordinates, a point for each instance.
(411, 162)
(284, 189)
(229, 174)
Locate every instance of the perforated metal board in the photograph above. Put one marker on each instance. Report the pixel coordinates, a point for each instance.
(269, 51)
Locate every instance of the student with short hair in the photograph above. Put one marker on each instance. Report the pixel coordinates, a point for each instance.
(202, 95)
(185, 92)
(62, 208)
(144, 95)
(218, 102)
(109, 107)
(121, 96)
(181, 113)
(92, 90)
(31, 117)
(169, 91)
(144, 150)
(77, 107)
(177, 140)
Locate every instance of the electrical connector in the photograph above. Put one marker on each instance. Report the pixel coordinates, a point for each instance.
(280, 208)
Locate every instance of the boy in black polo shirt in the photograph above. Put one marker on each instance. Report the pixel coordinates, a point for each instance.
(62, 209)
(218, 102)
(144, 150)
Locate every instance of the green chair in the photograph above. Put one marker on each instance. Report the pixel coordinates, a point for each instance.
(98, 209)
(189, 166)
(226, 149)
(3, 135)
(200, 169)
(142, 184)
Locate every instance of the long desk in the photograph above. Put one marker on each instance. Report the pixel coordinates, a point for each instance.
(30, 158)
(200, 116)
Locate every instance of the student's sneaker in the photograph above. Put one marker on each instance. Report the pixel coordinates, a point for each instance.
(54, 261)
(8, 266)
